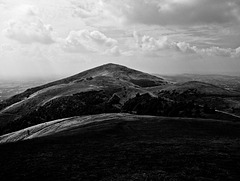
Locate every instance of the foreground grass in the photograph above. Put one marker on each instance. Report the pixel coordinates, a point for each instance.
(141, 148)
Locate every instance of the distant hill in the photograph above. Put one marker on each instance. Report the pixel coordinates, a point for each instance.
(224, 81)
(89, 92)
(202, 88)
(113, 88)
(109, 71)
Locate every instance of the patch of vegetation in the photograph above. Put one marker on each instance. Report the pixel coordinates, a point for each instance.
(144, 82)
(163, 106)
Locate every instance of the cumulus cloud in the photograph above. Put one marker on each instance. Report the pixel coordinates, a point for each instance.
(28, 28)
(114, 51)
(152, 45)
(97, 12)
(85, 41)
(87, 9)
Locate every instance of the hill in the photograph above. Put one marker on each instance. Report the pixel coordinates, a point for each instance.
(98, 90)
(204, 94)
(67, 125)
(130, 76)
(124, 147)
(114, 88)
(224, 81)
(202, 88)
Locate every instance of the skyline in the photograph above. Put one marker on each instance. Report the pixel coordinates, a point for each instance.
(59, 38)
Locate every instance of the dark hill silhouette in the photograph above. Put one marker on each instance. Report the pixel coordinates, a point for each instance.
(123, 147)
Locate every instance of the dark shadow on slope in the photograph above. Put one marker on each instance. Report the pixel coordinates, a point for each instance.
(141, 149)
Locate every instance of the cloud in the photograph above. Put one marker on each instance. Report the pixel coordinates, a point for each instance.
(115, 51)
(97, 12)
(162, 12)
(183, 12)
(87, 9)
(2, 3)
(238, 51)
(28, 28)
(85, 41)
(154, 46)
(6, 47)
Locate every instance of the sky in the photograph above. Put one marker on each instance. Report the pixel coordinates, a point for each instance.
(59, 38)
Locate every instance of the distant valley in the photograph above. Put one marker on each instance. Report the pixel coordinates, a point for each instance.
(10, 88)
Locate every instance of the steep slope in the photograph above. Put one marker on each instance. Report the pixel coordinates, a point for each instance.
(63, 98)
(108, 70)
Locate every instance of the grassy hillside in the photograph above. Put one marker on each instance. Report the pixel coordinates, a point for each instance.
(204, 93)
(127, 147)
(202, 88)
(93, 91)
(109, 70)
(61, 98)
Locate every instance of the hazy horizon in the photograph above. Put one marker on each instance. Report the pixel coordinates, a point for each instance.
(52, 39)
(43, 79)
